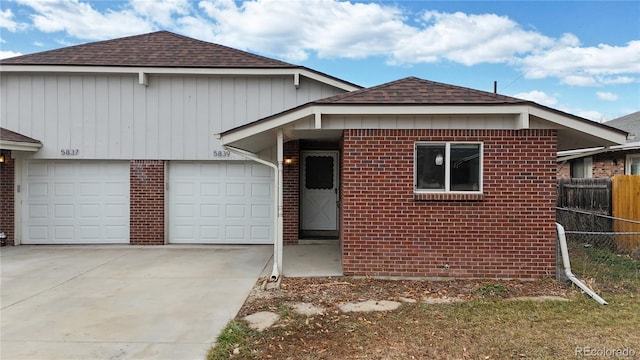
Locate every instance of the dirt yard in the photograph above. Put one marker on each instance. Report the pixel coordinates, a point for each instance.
(470, 319)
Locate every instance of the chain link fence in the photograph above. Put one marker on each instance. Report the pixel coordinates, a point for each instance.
(604, 251)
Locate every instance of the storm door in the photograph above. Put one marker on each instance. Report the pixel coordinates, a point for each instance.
(319, 188)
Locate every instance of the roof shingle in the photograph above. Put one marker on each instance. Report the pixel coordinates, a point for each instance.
(413, 90)
(629, 123)
(8, 135)
(157, 49)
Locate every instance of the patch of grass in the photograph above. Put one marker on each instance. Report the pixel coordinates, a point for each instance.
(476, 329)
(236, 335)
(612, 272)
(491, 291)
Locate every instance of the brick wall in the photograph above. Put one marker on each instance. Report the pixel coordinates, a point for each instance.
(508, 233)
(608, 165)
(147, 202)
(7, 177)
(564, 170)
(291, 193)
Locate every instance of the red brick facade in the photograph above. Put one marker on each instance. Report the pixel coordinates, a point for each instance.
(147, 202)
(7, 177)
(508, 232)
(291, 193)
(604, 165)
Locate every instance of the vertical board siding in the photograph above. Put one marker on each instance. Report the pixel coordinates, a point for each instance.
(114, 117)
(626, 205)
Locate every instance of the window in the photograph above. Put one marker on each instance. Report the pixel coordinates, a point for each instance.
(448, 167)
(633, 164)
(582, 168)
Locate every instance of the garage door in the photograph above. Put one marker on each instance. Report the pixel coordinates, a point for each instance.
(75, 202)
(220, 202)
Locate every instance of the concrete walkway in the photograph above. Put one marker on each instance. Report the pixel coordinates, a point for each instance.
(121, 302)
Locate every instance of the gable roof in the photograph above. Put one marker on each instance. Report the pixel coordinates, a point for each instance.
(417, 97)
(156, 49)
(413, 90)
(629, 123)
(11, 140)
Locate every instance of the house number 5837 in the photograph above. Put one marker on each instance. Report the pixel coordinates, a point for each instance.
(69, 152)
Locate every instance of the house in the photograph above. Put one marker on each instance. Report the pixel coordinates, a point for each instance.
(415, 178)
(605, 162)
(424, 179)
(126, 152)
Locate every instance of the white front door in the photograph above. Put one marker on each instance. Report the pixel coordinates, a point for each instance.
(320, 190)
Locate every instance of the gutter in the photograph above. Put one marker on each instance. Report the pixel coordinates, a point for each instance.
(567, 267)
(277, 238)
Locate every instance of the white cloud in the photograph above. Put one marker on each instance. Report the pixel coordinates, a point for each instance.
(537, 96)
(467, 39)
(606, 96)
(330, 28)
(160, 11)
(80, 20)
(7, 21)
(8, 54)
(586, 66)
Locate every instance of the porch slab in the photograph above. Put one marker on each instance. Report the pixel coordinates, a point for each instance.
(310, 259)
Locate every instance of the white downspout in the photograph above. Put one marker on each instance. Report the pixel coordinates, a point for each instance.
(567, 267)
(277, 238)
(279, 193)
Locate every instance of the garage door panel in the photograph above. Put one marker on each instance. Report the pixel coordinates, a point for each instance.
(75, 202)
(218, 200)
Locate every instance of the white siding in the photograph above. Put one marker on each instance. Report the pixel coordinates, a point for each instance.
(114, 117)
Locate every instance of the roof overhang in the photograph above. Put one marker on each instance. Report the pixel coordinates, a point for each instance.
(307, 122)
(580, 153)
(19, 145)
(294, 72)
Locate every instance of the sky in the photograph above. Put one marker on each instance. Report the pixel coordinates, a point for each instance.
(581, 57)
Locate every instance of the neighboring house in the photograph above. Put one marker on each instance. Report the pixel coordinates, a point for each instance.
(605, 162)
(415, 178)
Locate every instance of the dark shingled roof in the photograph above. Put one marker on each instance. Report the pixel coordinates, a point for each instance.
(8, 135)
(157, 49)
(629, 123)
(412, 90)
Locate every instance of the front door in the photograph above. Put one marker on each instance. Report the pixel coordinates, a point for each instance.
(320, 193)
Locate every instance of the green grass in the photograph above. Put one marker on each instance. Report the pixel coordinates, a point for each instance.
(236, 335)
(491, 291)
(612, 273)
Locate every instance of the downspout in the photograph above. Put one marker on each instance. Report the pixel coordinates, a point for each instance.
(277, 244)
(567, 267)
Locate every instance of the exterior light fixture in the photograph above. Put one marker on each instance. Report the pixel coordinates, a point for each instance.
(1, 159)
(439, 159)
(288, 161)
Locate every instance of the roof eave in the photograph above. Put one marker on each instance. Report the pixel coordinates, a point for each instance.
(20, 145)
(295, 71)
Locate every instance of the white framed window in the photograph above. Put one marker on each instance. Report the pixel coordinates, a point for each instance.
(632, 164)
(582, 168)
(448, 167)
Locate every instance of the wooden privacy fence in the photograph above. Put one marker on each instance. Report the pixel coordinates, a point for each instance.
(593, 195)
(626, 206)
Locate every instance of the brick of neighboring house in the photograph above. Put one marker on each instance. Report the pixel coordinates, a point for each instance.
(608, 165)
(147, 202)
(604, 165)
(507, 232)
(7, 178)
(291, 193)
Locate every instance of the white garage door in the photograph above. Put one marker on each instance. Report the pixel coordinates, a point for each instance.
(75, 202)
(220, 202)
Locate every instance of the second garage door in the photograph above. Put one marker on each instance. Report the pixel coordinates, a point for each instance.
(220, 202)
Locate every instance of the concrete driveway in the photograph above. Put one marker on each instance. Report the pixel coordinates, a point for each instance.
(121, 302)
